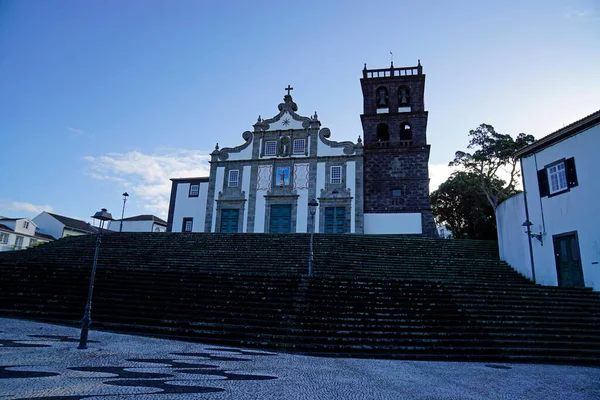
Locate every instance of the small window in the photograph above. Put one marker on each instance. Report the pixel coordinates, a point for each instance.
(32, 242)
(187, 225)
(3, 238)
(336, 175)
(234, 176)
(557, 178)
(270, 148)
(382, 97)
(396, 192)
(26, 224)
(194, 190)
(299, 146)
(19, 243)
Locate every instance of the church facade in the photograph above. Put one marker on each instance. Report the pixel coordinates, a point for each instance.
(376, 186)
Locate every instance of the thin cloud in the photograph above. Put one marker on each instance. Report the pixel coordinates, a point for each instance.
(29, 208)
(585, 14)
(147, 176)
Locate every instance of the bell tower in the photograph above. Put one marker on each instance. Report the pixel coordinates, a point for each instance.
(396, 153)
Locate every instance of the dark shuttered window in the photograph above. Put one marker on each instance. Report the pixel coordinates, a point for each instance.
(557, 185)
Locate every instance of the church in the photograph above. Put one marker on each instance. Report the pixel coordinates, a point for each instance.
(290, 176)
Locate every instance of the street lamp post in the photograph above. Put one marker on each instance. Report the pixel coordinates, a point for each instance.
(101, 216)
(312, 206)
(125, 196)
(335, 195)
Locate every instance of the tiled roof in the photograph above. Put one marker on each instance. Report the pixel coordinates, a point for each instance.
(561, 134)
(145, 217)
(44, 236)
(74, 223)
(4, 227)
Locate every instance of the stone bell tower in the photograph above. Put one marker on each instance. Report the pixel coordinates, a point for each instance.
(396, 153)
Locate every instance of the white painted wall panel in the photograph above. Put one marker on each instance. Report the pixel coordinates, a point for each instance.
(324, 150)
(245, 154)
(351, 184)
(512, 240)
(320, 185)
(246, 190)
(220, 176)
(405, 223)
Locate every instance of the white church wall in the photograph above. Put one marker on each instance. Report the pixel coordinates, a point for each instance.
(324, 150)
(388, 223)
(245, 154)
(320, 185)
(246, 190)
(190, 207)
(572, 211)
(265, 175)
(302, 211)
(512, 241)
(291, 123)
(351, 184)
(220, 174)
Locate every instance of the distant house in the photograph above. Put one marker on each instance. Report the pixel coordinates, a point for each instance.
(19, 233)
(59, 226)
(550, 231)
(139, 223)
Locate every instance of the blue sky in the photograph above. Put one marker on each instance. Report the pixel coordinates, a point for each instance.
(102, 97)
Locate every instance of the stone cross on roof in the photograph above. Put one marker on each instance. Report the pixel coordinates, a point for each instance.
(288, 89)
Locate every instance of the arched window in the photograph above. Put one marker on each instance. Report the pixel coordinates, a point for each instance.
(382, 97)
(403, 96)
(383, 135)
(406, 135)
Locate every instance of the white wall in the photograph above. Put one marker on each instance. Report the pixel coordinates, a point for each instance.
(218, 188)
(576, 210)
(246, 190)
(512, 241)
(400, 223)
(324, 150)
(320, 185)
(351, 184)
(245, 154)
(132, 226)
(48, 225)
(185, 206)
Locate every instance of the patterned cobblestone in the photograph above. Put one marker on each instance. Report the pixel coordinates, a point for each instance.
(41, 361)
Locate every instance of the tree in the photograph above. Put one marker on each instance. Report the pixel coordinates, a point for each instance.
(460, 204)
(493, 152)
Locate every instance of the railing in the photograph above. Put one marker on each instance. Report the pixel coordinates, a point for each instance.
(392, 72)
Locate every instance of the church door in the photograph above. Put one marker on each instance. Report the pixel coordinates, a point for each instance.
(281, 219)
(568, 260)
(335, 219)
(229, 220)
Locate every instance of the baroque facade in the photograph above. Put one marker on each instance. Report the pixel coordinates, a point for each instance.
(266, 184)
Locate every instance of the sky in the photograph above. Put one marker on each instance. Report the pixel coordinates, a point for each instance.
(98, 98)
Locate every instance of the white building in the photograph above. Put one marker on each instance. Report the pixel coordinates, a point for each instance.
(19, 233)
(560, 205)
(59, 226)
(139, 223)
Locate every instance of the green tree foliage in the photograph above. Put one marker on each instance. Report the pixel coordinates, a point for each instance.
(492, 154)
(460, 205)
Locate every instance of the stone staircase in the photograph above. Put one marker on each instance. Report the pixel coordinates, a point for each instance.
(370, 296)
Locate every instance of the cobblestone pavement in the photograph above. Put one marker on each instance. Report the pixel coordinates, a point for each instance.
(41, 361)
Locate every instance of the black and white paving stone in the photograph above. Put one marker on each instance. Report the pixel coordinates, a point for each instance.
(41, 361)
